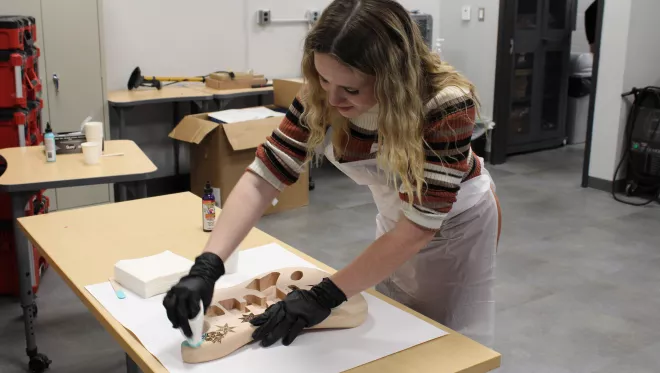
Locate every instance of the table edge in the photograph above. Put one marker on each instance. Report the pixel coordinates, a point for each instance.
(33, 187)
(126, 104)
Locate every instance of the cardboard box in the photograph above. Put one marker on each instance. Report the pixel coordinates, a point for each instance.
(237, 83)
(237, 75)
(220, 153)
(70, 142)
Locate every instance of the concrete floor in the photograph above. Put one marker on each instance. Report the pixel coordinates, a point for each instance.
(577, 289)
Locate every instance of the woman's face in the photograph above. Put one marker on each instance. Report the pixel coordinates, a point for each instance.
(349, 91)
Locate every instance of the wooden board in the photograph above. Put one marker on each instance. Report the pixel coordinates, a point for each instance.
(227, 327)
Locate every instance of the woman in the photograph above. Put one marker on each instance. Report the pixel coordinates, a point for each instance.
(390, 115)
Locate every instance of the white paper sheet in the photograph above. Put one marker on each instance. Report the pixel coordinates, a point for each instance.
(242, 115)
(387, 329)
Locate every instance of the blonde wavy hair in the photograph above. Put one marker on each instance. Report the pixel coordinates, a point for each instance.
(378, 38)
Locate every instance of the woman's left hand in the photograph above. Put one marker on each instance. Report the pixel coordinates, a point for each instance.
(300, 309)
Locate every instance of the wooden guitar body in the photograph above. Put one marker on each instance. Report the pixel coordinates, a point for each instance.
(227, 327)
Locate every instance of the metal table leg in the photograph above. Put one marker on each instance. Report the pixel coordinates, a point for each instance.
(140, 189)
(221, 103)
(123, 192)
(132, 190)
(199, 107)
(38, 362)
(131, 367)
(175, 143)
(122, 123)
(121, 132)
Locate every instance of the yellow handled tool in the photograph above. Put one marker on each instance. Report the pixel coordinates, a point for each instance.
(138, 80)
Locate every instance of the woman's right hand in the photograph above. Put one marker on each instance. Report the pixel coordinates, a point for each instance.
(182, 300)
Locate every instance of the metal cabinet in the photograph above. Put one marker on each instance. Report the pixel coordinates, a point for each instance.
(532, 75)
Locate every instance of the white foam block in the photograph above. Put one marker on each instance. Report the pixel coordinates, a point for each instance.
(152, 275)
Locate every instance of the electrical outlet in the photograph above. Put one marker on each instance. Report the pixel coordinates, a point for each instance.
(466, 13)
(313, 15)
(263, 17)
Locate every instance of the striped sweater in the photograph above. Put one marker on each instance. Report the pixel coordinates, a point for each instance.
(449, 159)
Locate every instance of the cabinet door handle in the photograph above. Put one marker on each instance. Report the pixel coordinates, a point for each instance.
(56, 81)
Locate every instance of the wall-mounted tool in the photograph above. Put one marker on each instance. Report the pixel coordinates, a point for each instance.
(138, 80)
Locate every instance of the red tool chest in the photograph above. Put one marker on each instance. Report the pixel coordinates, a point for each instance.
(31, 76)
(20, 125)
(12, 90)
(11, 122)
(34, 135)
(17, 32)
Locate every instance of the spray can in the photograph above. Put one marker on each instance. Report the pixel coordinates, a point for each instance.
(208, 208)
(49, 142)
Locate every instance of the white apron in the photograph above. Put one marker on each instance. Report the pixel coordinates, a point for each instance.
(452, 279)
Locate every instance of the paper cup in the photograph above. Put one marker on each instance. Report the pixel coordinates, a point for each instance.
(98, 139)
(91, 152)
(93, 130)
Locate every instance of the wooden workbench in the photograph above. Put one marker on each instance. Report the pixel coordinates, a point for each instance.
(149, 226)
(27, 169)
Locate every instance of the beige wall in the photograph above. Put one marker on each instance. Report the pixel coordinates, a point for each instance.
(471, 46)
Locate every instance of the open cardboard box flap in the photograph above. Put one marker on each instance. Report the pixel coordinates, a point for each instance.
(249, 135)
(193, 128)
(241, 135)
(285, 90)
(222, 152)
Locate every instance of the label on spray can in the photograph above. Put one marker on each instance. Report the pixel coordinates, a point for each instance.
(208, 215)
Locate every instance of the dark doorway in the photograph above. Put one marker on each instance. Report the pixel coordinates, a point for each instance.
(531, 85)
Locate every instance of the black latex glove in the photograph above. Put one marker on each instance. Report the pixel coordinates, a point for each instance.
(182, 301)
(300, 309)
